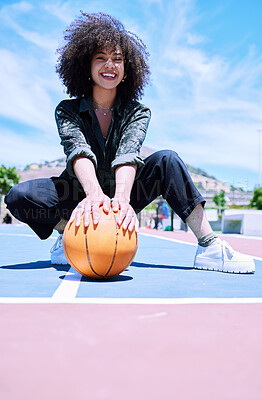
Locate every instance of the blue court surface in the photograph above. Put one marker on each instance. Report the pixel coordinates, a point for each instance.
(161, 271)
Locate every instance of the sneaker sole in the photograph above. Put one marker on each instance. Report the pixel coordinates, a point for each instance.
(58, 261)
(251, 271)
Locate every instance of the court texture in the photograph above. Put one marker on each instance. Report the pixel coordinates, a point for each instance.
(160, 330)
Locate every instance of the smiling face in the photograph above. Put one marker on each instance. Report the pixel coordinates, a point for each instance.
(107, 68)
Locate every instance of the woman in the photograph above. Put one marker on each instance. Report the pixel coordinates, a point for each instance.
(104, 67)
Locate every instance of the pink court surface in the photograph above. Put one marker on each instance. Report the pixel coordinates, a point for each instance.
(161, 330)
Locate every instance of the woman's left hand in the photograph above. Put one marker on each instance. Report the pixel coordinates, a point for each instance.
(127, 215)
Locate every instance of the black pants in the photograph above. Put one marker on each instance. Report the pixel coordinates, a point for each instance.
(41, 203)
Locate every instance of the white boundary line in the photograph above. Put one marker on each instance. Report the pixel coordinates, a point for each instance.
(225, 235)
(125, 301)
(166, 238)
(182, 241)
(240, 236)
(25, 235)
(67, 290)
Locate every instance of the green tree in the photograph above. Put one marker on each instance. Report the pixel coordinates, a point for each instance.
(8, 178)
(256, 201)
(219, 200)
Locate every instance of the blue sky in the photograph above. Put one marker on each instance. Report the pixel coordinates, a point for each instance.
(205, 95)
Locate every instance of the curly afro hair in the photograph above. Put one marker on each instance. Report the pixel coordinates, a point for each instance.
(83, 38)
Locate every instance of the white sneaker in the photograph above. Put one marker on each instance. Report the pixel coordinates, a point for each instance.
(220, 256)
(57, 252)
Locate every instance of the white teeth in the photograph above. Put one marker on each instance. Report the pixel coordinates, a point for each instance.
(109, 75)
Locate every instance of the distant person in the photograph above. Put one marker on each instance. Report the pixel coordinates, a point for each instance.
(105, 68)
(162, 212)
(7, 219)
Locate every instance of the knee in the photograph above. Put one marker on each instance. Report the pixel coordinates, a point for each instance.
(16, 194)
(167, 155)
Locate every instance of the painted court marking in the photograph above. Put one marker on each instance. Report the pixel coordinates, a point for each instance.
(166, 238)
(25, 235)
(165, 342)
(101, 300)
(17, 234)
(183, 242)
(67, 290)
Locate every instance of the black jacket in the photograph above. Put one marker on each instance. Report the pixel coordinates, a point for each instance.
(81, 135)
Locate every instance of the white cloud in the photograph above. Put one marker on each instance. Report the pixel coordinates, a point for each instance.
(42, 41)
(205, 106)
(62, 10)
(17, 150)
(210, 106)
(24, 98)
(193, 39)
(10, 14)
(22, 6)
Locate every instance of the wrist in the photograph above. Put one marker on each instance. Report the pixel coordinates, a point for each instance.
(122, 196)
(92, 190)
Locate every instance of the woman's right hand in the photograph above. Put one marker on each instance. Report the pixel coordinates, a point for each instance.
(88, 205)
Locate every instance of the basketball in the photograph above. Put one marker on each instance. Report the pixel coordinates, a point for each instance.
(99, 251)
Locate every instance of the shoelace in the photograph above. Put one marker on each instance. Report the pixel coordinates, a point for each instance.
(58, 243)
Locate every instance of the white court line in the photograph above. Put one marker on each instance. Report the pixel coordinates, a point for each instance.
(17, 234)
(169, 239)
(25, 235)
(68, 288)
(182, 241)
(238, 236)
(99, 300)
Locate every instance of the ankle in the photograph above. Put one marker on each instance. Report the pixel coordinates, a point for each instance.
(198, 223)
(207, 240)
